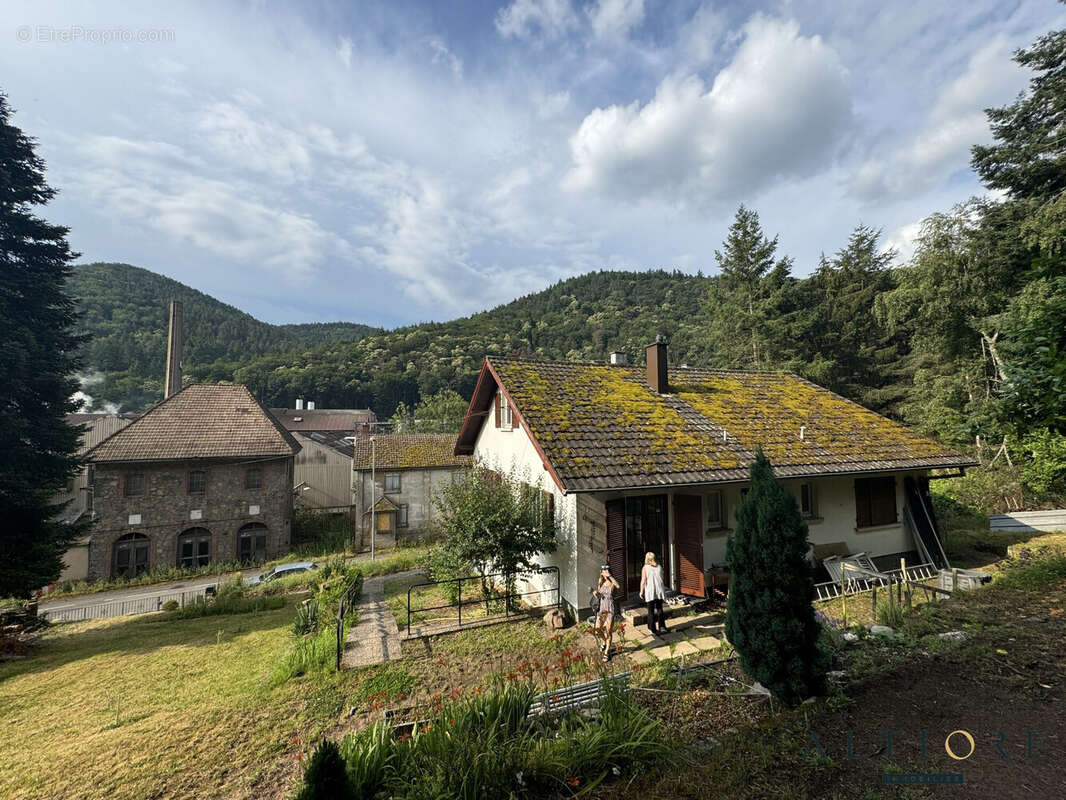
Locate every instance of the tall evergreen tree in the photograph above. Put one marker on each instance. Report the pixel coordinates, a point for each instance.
(37, 446)
(1028, 159)
(770, 618)
(751, 301)
(841, 333)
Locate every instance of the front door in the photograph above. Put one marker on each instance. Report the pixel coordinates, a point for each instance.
(645, 533)
(688, 536)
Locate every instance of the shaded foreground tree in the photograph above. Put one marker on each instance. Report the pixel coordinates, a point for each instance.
(770, 618)
(37, 447)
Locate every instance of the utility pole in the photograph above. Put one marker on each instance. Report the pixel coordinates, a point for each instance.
(373, 495)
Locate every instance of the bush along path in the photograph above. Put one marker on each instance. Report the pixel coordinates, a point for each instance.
(375, 638)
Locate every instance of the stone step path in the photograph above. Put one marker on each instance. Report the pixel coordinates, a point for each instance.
(375, 638)
(688, 635)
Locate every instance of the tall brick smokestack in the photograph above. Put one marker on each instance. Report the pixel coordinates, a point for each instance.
(173, 379)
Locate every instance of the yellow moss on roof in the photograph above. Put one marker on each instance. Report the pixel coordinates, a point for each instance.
(596, 420)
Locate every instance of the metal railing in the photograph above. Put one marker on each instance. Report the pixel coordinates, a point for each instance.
(486, 597)
(122, 608)
(351, 594)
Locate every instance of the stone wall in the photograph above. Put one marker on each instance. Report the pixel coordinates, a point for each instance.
(166, 509)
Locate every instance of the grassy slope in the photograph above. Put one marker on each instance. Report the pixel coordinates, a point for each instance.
(193, 716)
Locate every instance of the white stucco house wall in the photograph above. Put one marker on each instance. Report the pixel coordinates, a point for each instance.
(657, 458)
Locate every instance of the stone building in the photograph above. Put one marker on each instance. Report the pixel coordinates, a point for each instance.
(395, 479)
(76, 495)
(206, 475)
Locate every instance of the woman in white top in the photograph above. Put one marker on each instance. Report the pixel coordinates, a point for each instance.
(652, 592)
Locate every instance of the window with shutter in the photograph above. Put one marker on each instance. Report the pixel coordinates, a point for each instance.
(616, 539)
(875, 502)
(497, 403)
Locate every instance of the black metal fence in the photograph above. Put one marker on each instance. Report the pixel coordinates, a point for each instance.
(350, 596)
(488, 593)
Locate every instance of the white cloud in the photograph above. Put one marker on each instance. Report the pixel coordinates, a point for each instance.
(256, 142)
(904, 240)
(529, 19)
(149, 183)
(955, 123)
(613, 19)
(775, 110)
(344, 52)
(443, 56)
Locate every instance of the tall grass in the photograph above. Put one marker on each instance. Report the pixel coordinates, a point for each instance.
(308, 655)
(484, 746)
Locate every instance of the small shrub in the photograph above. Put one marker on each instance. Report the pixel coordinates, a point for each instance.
(306, 621)
(228, 604)
(170, 605)
(326, 777)
(890, 613)
(443, 564)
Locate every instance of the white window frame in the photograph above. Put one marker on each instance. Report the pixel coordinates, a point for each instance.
(506, 416)
(811, 512)
(715, 499)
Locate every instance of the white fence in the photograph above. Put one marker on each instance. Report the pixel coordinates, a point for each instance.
(1022, 521)
(120, 608)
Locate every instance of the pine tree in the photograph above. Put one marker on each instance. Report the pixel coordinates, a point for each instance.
(37, 364)
(1028, 159)
(751, 302)
(770, 618)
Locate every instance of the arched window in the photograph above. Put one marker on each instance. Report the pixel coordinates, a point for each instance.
(131, 556)
(252, 543)
(194, 548)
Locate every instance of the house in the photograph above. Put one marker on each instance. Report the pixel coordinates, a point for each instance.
(76, 494)
(396, 477)
(206, 475)
(657, 459)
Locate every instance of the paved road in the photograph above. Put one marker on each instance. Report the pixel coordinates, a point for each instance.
(139, 592)
(146, 593)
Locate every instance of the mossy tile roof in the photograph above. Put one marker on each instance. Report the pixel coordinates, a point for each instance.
(602, 427)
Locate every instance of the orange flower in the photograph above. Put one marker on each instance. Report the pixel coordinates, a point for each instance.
(477, 691)
(441, 660)
(573, 781)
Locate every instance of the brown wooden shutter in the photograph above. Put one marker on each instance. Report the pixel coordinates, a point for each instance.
(883, 501)
(688, 536)
(862, 503)
(497, 409)
(616, 539)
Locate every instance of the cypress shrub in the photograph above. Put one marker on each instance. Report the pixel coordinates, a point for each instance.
(770, 617)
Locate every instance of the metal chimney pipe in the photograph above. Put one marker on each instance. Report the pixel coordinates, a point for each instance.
(172, 382)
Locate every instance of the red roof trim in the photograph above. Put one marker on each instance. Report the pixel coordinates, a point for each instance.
(478, 409)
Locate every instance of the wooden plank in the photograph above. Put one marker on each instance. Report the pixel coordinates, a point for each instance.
(688, 537)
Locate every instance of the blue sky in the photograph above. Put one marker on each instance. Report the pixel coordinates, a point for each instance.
(397, 162)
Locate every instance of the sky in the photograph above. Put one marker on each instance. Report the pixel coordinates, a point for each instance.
(396, 162)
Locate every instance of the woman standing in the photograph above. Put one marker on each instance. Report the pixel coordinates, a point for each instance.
(605, 588)
(652, 592)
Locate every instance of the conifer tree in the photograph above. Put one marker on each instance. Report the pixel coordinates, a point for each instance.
(770, 618)
(751, 302)
(37, 364)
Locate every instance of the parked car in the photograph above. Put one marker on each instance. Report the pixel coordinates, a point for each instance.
(283, 571)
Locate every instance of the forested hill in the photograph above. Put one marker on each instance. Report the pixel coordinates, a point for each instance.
(124, 314)
(582, 318)
(124, 310)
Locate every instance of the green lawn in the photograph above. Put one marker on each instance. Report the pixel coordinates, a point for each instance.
(148, 707)
(153, 706)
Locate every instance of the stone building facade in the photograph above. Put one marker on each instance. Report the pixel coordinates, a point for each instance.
(192, 528)
(206, 475)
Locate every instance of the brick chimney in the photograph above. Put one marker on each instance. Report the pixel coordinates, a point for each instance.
(655, 355)
(172, 382)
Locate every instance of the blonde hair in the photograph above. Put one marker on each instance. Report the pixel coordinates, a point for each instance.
(649, 560)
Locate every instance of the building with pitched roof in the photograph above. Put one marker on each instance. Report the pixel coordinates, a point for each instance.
(396, 477)
(206, 475)
(656, 459)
